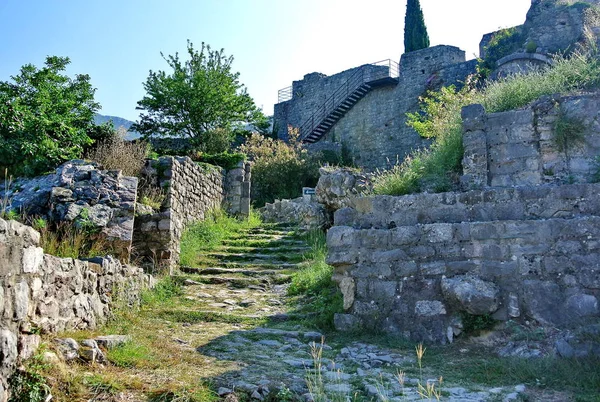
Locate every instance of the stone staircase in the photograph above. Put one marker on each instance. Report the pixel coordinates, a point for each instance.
(321, 128)
(260, 260)
(356, 87)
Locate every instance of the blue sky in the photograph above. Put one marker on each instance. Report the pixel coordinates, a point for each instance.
(273, 41)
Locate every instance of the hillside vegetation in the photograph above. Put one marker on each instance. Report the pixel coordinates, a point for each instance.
(437, 168)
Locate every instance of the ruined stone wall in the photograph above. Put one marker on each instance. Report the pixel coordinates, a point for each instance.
(526, 147)
(82, 193)
(414, 265)
(40, 292)
(191, 190)
(521, 245)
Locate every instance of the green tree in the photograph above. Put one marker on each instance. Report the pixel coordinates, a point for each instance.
(415, 31)
(45, 117)
(200, 99)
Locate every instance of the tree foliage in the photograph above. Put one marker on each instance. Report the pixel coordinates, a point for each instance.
(45, 117)
(415, 31)
(201, 98)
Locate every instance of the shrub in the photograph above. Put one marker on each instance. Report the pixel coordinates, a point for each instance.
(227, 160)
(280, 169)
(503, 43)
(115, 153)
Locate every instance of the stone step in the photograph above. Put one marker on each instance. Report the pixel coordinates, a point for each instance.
(268, 258)
(263, 243)
(237, 282)
(265, 250)
(258, 264)
(223, 271)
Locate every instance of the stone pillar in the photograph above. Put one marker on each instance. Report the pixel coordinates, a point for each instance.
(475, 159)
(246, 188)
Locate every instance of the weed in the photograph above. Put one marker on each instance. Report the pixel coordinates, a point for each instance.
(152, 196)
(568, 133)
(129, 354)
(165, 289)
(65, 240)
(115, 153)
(474, 324)
(314, 377)
(183, 394)
(5, 201)
(28, 384)
(100, 385)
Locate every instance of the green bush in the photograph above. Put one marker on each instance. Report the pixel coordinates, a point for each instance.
(503, 43)
(280, 169)
(438, 167)
(227, 160)
(45, 118)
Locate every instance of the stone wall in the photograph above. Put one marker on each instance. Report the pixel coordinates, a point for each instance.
(374, 131)
(414, 265)
(40, 292)
(523, 147)
(191, 190)
(520, 245)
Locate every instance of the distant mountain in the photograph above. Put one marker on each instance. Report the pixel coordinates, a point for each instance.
(117, 122)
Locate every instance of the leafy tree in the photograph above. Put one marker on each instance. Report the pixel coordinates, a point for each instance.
(415, 31)
(45, 117)
(200, 99)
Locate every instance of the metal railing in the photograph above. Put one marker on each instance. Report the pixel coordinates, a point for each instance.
(368, 73)
(285, 94)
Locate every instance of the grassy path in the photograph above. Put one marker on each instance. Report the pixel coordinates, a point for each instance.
(228, 325)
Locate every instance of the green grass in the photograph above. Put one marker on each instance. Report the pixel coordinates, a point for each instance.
(208, 235)
(579, 376)
(313, 285)
(437, 168)
(130, 354)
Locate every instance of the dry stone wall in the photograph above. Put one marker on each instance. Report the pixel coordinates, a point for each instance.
(192, 190)
(524, 147)
(40, 292)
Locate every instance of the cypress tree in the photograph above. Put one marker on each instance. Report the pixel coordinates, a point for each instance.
(415, 31)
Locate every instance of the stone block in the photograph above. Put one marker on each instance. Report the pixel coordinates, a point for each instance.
(341, 236)
(347, 323)
(32, 259)
(21, 300)
(471, 294)
(582, 305)
(432, 268)
(404, 235)
(429, 308)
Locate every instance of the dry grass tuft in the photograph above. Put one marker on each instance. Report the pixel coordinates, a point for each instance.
(118, 154)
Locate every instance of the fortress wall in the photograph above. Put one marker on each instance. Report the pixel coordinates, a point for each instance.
(374, 131)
